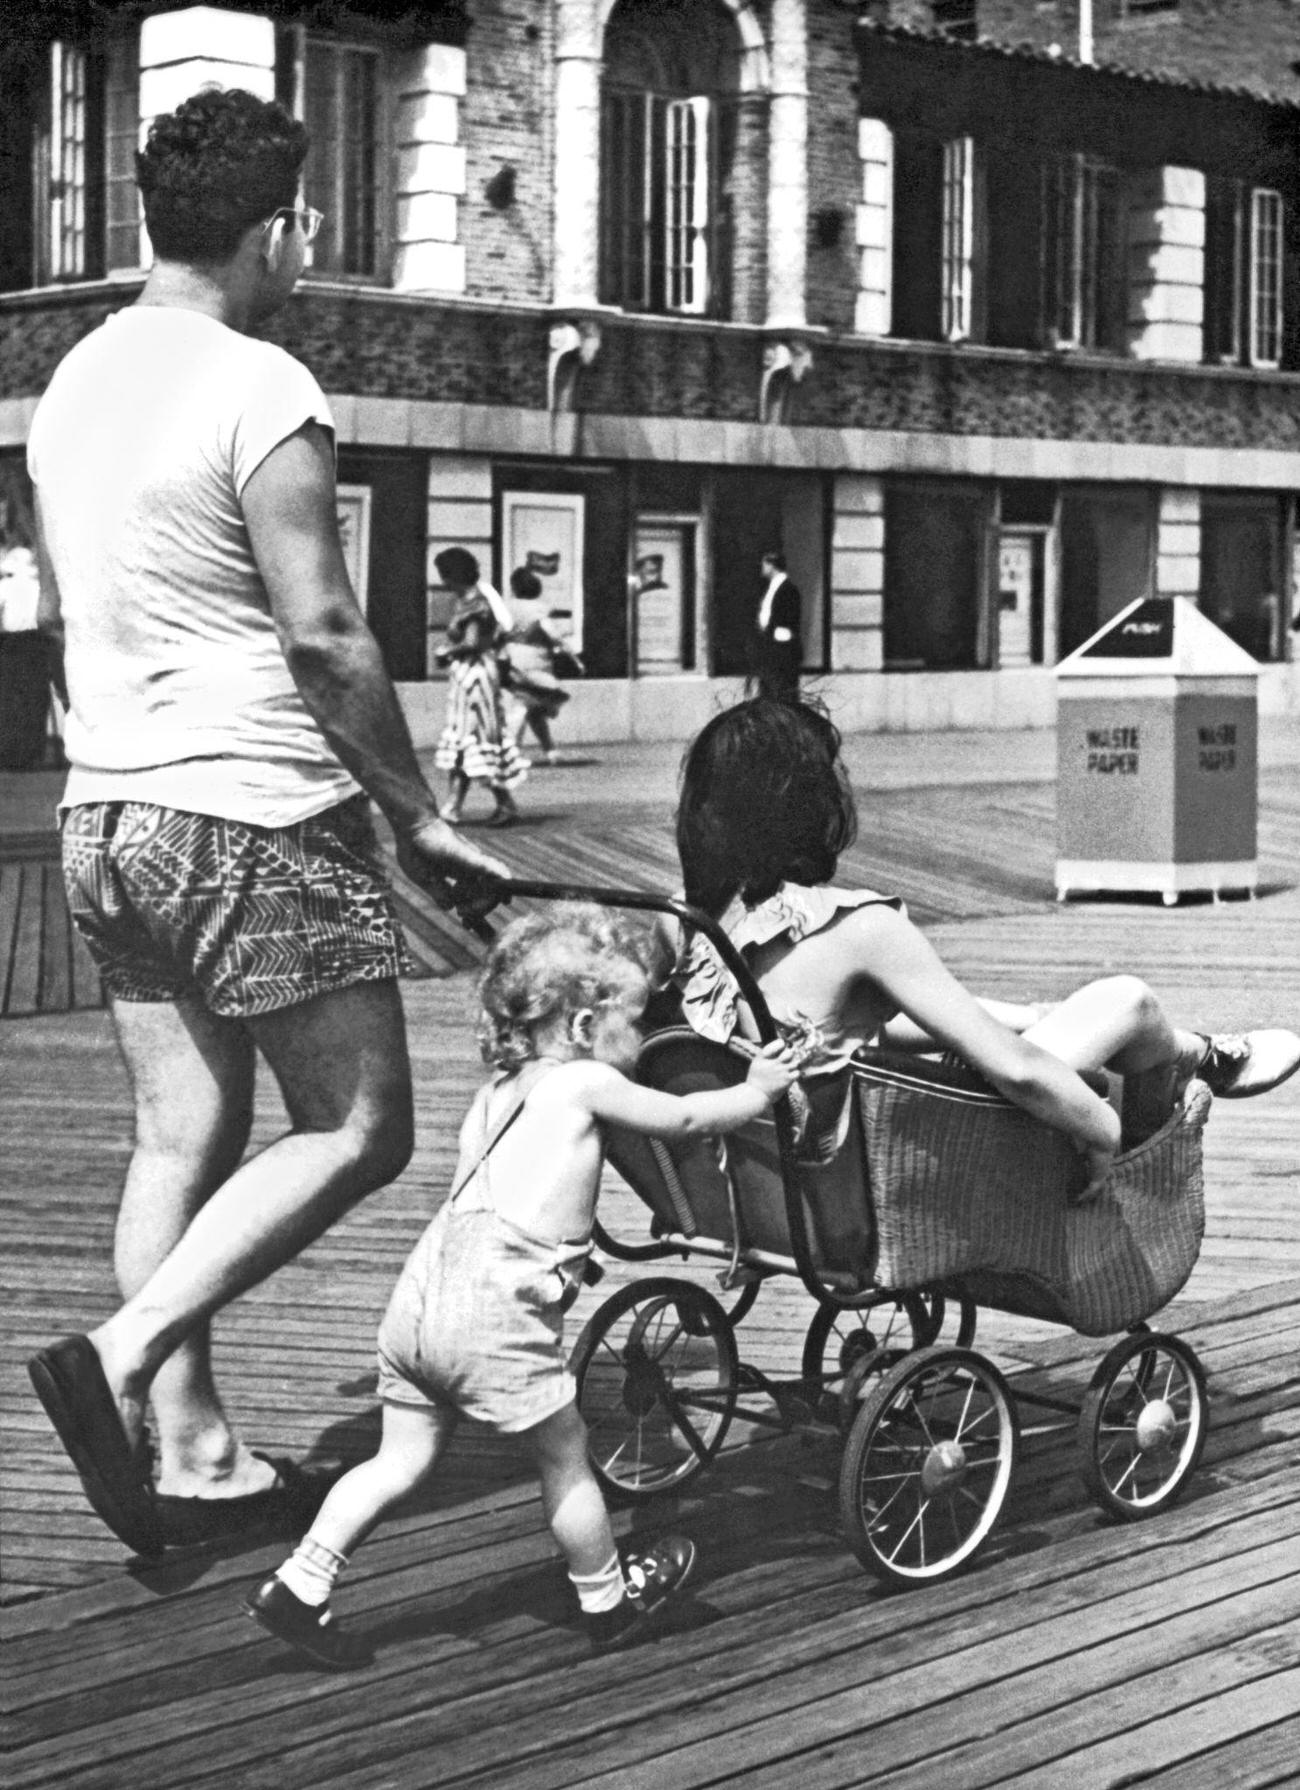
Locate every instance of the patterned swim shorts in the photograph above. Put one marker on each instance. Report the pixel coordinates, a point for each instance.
(246, 918)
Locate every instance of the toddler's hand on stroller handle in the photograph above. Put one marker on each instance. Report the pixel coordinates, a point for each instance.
(774, 1070)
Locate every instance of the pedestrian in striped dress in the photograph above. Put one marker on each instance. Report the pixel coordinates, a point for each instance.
(475, 745)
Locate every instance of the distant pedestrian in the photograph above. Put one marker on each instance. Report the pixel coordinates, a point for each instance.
(778, 644)
(474, 1326)
(475, 745)
(535, 694)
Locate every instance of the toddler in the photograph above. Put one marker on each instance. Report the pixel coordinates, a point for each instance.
(474, 1324)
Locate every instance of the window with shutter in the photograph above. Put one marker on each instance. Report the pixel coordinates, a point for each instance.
(1265, 278)
(958, 237)
(667, 141)
(337, 89)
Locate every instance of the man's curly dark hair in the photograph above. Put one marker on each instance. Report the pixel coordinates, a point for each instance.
(221, 161)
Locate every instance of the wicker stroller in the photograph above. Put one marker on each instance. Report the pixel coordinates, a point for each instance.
(943, 1198)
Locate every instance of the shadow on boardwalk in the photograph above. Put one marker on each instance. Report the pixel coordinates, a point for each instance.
(1075, 1654)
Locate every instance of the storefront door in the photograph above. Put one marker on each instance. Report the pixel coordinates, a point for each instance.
(663, 591)
(1020, 597)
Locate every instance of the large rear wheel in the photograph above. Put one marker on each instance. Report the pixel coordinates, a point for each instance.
(656, 1373)
(927, 1465)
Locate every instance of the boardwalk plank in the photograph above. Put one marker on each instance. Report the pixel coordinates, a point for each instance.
(1227, 1712)
(1256, 1760)
(153, 1677)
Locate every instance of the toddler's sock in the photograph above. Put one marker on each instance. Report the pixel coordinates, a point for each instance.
(603, 1590)
(310, 1571)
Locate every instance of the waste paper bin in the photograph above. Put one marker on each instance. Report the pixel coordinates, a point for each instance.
(1157, 757)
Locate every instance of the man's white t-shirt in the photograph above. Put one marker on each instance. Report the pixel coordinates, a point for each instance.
(179, 691)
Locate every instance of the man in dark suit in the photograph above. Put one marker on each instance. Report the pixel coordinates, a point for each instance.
(778, 646)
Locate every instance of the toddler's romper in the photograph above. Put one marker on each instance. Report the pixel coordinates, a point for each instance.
(475, 1323)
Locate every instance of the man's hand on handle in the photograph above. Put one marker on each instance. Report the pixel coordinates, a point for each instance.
(457, 874)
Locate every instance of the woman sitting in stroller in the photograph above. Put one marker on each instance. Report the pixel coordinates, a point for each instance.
(765, 812)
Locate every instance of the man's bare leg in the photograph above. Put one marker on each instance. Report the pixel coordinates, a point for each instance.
(342, 1067)
(192, 1079)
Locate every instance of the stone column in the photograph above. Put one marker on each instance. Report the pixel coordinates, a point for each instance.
(873, 315)
(429, 255)
(1178, 543)
(183, 51)
(577, 152)
(858, 574)
(787, 169)
(1166, 264)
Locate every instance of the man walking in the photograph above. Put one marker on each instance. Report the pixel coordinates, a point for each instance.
(228, 716)
(778, 645)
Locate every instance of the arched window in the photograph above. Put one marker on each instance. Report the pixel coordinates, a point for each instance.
(668, 133)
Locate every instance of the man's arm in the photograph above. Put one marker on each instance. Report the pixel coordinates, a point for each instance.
(49, 613)
(334, 659)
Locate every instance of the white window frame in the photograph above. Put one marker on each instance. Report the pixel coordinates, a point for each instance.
(334, 200)
(958, 238)
(687, 139)
(65, 221)
(1265, 280)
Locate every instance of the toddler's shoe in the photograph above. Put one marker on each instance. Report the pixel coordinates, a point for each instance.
(1239, 1064)
(653, 1576)
(310, 1629)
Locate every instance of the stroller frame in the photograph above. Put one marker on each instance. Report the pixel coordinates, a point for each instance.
(931, 1429)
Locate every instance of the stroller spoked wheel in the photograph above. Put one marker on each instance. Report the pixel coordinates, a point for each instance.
(844, 1347)
(927, 1465)
(1143, 1425)
(656, 1374)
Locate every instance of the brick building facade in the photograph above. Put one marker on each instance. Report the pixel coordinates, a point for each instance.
(986, 341)
(1253, 44)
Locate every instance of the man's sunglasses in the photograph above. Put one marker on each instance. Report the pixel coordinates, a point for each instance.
(307, 218)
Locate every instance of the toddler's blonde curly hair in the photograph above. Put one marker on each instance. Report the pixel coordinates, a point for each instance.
(555, 963)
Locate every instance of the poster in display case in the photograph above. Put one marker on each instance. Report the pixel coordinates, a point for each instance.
(543, 531)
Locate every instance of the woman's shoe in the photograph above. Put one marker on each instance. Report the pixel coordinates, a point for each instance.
(450, 813)
(1237, 1065)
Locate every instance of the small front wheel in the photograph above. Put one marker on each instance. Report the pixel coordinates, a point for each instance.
(927, 1465)
(656, 1374)
(1143, 1424)
(845, 1345)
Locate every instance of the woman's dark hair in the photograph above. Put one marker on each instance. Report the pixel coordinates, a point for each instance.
(457, 565)
(524, 582)
(764, 800)
(220, 162)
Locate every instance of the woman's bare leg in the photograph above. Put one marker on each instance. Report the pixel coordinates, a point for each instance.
(1118, 1024)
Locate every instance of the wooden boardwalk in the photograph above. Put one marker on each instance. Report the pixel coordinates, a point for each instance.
(1075, 1654)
